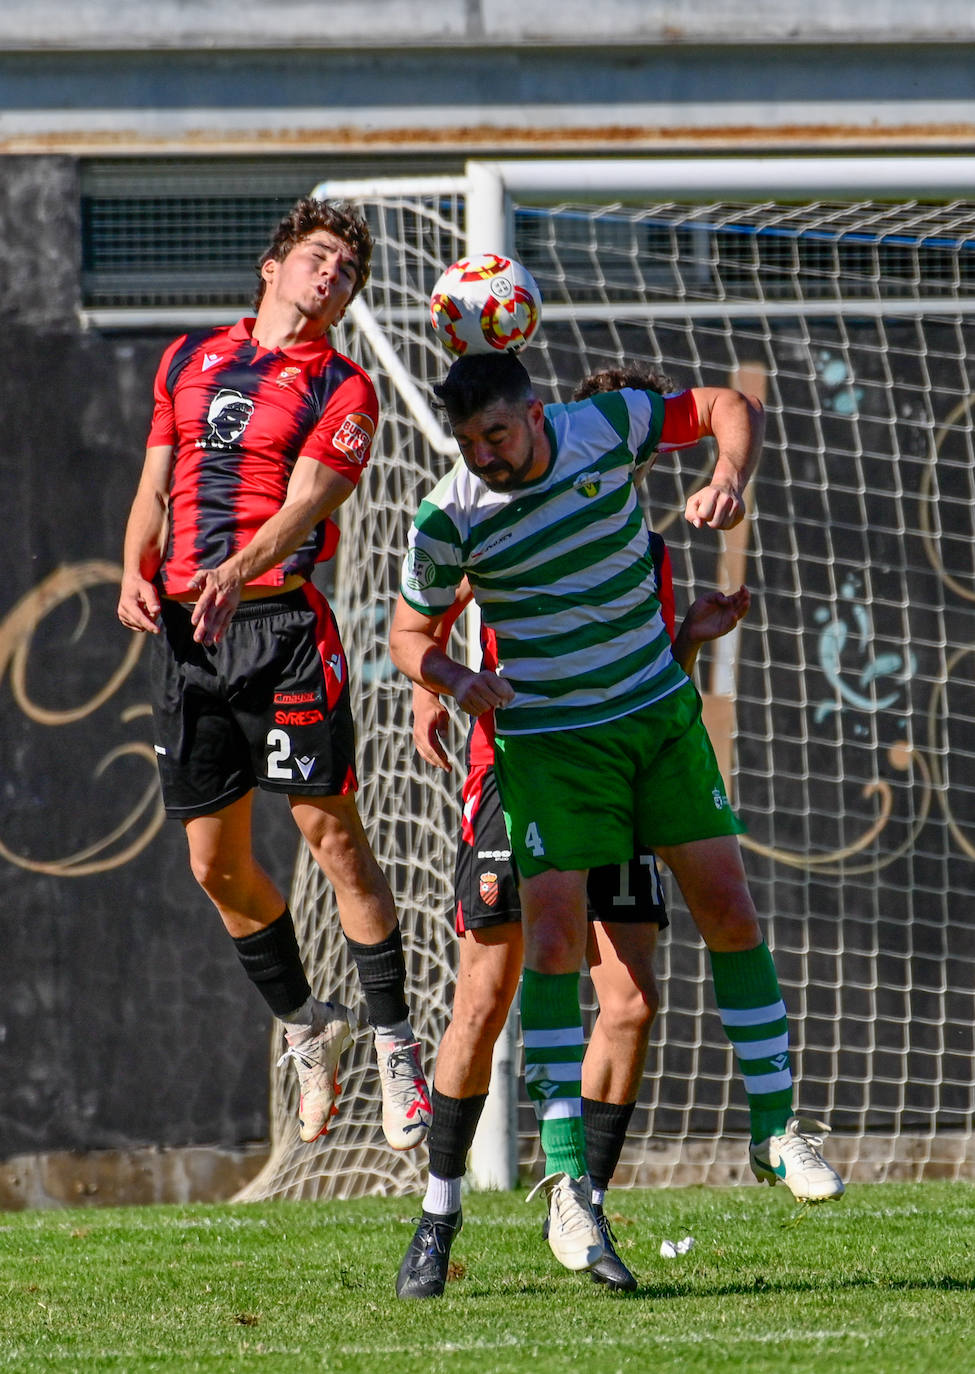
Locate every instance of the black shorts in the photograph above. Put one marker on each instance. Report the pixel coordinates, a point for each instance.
(486, 879)
(266, 707)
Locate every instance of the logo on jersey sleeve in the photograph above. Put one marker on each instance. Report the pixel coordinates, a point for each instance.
(420, 571)
(354, 436)
(228, 416)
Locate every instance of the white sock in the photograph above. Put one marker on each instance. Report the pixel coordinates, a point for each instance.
(442, 1196)
(400, 1030)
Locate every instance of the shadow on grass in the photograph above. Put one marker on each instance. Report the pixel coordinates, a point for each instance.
(944, 1283)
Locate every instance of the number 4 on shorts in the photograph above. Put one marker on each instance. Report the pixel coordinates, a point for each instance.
(533, 840)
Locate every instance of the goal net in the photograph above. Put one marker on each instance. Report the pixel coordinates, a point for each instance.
(842, 709)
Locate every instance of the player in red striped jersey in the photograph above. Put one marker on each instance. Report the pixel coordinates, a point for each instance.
(259, 433)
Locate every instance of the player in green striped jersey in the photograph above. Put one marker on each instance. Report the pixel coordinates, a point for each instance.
(599, 731)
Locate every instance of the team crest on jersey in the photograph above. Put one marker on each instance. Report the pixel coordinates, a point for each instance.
(487, 886)
(420, 571)
(354, 436)
(587, 484)
(287, 375)
(228, 416)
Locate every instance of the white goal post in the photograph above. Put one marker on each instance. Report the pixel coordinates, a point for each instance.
(843, 710)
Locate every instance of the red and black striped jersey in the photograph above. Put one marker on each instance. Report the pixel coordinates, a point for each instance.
(238, 416)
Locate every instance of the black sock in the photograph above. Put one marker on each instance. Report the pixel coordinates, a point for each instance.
(605, 1125)
(382, 976)
(451, 1132)
(272, 961)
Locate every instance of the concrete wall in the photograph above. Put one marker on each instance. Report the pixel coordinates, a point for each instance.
(93, 76)
(104, 25)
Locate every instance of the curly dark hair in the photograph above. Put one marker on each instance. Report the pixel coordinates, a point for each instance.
(639, 376)
(337, 217)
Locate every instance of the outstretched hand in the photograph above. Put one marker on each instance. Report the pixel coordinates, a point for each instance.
(715, 613)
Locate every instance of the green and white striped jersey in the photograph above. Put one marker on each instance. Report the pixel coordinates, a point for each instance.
(560, 569)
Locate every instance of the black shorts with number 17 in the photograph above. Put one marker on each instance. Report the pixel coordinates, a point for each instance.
(486, 882)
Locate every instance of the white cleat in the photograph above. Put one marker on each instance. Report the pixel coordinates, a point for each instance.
(573, 1231)
(406, 1098)
(794, 1158)
(315, 1053)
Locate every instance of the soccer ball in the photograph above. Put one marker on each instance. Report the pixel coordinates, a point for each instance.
(485, 304)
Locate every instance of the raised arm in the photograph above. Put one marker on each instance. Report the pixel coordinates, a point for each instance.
(737, 423)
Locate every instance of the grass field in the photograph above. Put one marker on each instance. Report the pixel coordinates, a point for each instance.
(884, 1281)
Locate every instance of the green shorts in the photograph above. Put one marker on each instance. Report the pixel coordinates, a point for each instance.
(582, 798)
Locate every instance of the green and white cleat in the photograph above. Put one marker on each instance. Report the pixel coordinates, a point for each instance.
(794, 1158)
(574, 1236)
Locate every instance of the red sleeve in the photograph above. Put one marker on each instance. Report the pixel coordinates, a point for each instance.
(666, 594)
(162, 430)
(342, 438)
(480, 745)
(660, 556)
(682, 424)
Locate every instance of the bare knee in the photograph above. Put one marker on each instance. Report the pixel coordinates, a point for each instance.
(712, 879)
(223, 879)
(730, 925)
(629, 1014)
(339, 846)
(479, 1014)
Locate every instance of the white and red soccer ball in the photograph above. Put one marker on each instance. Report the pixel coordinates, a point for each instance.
(485, 304)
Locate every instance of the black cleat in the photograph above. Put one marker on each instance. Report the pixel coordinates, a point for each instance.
(423, 1273)
(610, 1270)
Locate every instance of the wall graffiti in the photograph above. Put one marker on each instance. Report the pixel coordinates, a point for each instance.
(141, 822)
(835, 636)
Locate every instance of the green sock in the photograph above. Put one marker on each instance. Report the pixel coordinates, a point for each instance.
(551, 1025)
(752, 1012)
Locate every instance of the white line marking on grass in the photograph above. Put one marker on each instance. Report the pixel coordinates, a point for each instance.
(643, 1340)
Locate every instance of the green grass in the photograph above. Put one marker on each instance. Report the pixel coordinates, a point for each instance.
(884, 1281)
